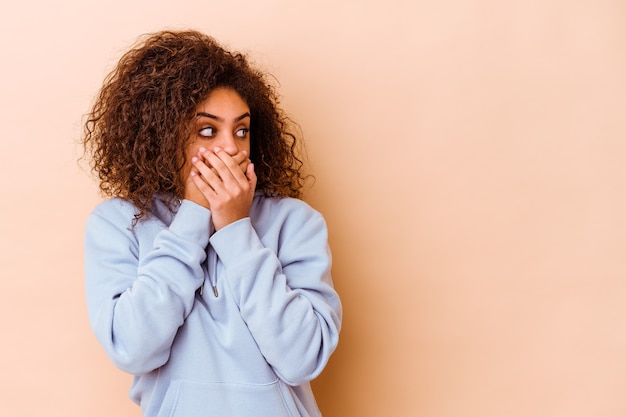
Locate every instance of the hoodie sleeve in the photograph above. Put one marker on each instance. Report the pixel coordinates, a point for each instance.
(286, 297)
(136, 307)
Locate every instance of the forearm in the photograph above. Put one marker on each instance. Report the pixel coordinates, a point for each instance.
(291, 308)
(138, 302)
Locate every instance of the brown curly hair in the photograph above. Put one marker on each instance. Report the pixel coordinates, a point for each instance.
(138, 126)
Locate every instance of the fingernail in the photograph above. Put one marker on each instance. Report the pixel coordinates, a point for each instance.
(202, 149)
(217, 149)
(244, 153)
(194, 160)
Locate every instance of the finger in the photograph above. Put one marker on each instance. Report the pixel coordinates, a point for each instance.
(207, 191)
(219, 179)
(251, 176)
(209, 175)
(227, 168)
(201, 155)
(243, 165)
(193, 193)
(240, 158)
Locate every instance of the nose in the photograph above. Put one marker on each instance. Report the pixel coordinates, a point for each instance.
(228, 144)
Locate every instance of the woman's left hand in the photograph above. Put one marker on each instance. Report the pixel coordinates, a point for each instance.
(227, 185)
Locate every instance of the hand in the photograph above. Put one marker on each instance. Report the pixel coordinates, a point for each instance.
(227, 184)
(193, 193)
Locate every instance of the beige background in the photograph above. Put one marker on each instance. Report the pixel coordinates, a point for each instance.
(469, 157)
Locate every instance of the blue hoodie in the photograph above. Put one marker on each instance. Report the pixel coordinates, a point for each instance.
(231, 323)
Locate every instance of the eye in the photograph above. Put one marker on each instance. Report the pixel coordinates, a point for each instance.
(207, 132)
(242, 133)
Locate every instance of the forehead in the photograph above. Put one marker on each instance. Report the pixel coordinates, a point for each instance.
(223, 100)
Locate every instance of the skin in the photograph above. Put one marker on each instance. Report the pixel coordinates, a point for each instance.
(218, 174)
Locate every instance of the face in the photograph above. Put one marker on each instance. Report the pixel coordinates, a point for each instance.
(221, 120)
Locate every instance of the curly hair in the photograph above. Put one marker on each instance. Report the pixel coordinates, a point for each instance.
(136, 132)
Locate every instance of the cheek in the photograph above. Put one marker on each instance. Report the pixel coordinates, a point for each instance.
(190, 152)
(193, 148)
(247, 146)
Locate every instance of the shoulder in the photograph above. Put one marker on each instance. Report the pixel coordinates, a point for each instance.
(115, 217)
(114, 210)
(289, 215)
(284, 207)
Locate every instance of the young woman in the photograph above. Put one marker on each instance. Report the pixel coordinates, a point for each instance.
(206, 277)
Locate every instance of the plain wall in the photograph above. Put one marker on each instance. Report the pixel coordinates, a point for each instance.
(469, 157)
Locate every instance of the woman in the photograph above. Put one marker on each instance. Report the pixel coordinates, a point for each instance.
(206, 277)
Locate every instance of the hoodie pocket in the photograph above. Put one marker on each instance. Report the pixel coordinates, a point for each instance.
(217, 399)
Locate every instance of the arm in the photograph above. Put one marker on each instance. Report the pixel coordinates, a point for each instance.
(287, 300)
(137, 305)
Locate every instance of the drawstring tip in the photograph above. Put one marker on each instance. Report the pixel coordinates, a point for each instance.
(201, 290)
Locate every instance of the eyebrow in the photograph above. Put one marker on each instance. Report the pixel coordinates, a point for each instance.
(219, 119)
